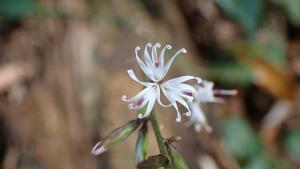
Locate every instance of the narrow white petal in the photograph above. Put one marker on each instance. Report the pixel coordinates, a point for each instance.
(162, 55)
(169, 63)
(176, 97)
(149, 107)
(149, 63)
(148, 72)
(183, 79)
(159, 100)
(138, 96)
(133, 77)
(178, 117)
(154, 52)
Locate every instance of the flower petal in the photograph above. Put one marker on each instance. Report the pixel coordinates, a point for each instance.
(178, 117)
(148, 72)
(183, 79)
(133, 77)
(162, 55)
(150, 106)
(138, 96)
(169, 63)
(154, 53)
(149, 63)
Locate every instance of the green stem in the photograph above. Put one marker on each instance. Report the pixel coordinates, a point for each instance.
(160, 140)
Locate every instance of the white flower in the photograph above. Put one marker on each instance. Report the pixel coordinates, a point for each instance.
(205, 93)
(154, 68)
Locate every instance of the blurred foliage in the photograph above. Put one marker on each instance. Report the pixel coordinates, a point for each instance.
(240, 138)
(264, 161)
(291, 7)
(232, 73)
(245, 145)
(247, 13)
(16, 9)
(291, 143)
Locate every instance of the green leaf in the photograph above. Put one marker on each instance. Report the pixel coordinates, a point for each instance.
(291, 7)
(248, 13)
(240, 138)
(16, 9)
(265, 161)
(116, 136)
(291, 143)
(176, 158)
(259, 162)
(153, 162)
(231, 73)
(142, 143)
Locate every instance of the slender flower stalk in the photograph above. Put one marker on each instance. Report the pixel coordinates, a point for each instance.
(175, 90)
(160, 140)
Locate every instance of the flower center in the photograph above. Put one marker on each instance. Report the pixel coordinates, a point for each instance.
(156, 63)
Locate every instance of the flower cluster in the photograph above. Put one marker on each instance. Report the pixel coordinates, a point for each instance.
(205, 94)
(175, 90)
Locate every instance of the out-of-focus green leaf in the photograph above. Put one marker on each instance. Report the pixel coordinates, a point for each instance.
(246, 12)
(265, 161)
(272, 49)
(231, 73)
(16, 9)
(240, 139)
(291, 8)
(177, 160)
(291, 143)
(259, 162)
(116, 136)
(142, 143)
(153, 162)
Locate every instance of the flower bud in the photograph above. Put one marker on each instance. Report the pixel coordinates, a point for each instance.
(142, 143)
(116, 136)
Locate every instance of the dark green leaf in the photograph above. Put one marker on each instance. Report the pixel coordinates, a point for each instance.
(231, 73)
(291, 7)
(291, 143)
(240, 139)
(16, 9)
(246, 12)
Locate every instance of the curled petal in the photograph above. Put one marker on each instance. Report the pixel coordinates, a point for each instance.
(198, 118)
(178, 117)
(169, 63)
(182, 79)
(149, 107)
(147, 70)
(149, 63)
(133, 77)
(138, 96)
(154, 54)
(162, 55)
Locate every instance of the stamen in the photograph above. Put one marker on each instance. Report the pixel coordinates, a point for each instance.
(225, 92)
(188, 93)
(156, 63)
(139, 102)
(208, 128)
(188, 114)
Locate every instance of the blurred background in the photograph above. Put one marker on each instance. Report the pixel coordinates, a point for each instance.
(63, 71)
